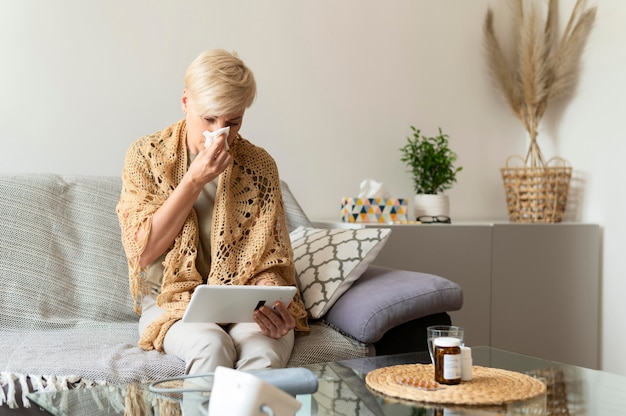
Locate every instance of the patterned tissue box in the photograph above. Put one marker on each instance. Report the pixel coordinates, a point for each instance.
(377, 210)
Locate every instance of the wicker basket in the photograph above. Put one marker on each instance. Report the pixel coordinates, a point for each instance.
(537, 194)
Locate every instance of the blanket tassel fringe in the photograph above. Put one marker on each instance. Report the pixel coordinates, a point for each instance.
(38, 383)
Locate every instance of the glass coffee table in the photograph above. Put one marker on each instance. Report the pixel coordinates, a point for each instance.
(342, 391)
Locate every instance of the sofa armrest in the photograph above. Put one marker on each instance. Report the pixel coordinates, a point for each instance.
(383, 298)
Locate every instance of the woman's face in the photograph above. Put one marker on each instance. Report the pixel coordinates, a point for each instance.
(198, 124)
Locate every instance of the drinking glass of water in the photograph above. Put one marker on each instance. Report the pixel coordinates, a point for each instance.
(438, 331)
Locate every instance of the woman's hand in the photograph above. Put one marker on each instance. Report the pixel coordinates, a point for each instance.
(210, 162)
(274, 323)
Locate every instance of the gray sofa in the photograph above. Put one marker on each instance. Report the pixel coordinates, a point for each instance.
(66, 317)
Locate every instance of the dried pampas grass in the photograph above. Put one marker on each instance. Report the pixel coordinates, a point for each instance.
(544, 67)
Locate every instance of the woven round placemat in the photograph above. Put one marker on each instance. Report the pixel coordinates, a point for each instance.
(489, 386)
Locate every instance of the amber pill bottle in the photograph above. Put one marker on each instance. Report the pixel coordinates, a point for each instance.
(447, 360)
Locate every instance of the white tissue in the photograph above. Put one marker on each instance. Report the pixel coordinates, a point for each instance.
(212, 135)
(373, 189)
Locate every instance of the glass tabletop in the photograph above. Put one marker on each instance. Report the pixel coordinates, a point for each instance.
(342, 391)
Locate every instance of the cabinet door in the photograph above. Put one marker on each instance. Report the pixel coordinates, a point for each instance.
(460, 253)
(546, 290)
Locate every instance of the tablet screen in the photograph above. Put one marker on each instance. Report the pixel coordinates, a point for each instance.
(231, 304)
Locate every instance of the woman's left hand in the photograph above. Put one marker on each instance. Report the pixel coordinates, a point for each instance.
(274, 323)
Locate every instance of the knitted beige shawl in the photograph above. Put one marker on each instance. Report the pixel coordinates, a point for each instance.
(249, 236)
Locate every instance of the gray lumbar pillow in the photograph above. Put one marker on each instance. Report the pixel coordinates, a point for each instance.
(383, 298)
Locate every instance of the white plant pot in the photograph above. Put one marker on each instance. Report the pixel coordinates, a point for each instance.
(433, 205)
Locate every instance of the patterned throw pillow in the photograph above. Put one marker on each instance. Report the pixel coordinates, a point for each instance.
(328, 261)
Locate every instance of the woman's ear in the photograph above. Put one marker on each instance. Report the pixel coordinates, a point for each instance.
(184, 99)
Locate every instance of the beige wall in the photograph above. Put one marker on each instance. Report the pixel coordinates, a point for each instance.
(339, 84)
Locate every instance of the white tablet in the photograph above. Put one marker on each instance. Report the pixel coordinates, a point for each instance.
(233, 303)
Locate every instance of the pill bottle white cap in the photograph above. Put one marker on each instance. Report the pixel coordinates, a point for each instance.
(447, 342)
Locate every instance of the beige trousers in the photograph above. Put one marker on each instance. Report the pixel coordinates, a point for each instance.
(205, 346)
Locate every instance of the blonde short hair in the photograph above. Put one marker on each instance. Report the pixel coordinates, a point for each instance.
(219, 83)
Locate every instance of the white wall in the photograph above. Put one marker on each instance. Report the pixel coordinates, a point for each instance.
(340, 82)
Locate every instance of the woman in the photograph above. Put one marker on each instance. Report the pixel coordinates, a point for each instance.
(193, 212)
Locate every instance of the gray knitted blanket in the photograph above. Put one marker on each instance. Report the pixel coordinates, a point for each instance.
(66, 316)
(66, 313)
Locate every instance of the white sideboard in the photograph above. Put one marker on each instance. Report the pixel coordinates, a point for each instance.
(528, 288)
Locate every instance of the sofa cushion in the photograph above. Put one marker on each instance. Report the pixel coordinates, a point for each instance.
(324, 343)
(328, 261)
(62, 264)
(383, 298)
(294, 213)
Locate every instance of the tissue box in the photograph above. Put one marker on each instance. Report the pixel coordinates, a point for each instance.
(377, 210)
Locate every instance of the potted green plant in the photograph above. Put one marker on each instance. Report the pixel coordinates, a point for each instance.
(431, 165)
